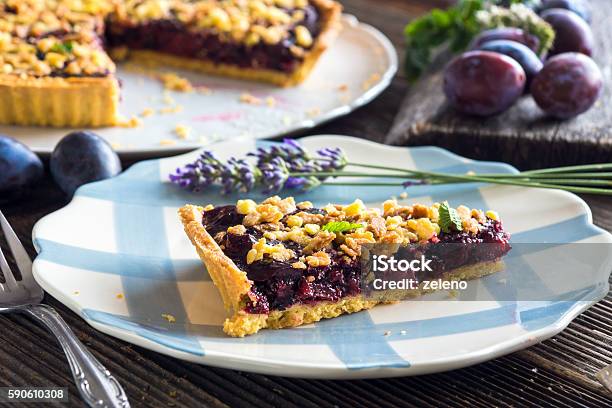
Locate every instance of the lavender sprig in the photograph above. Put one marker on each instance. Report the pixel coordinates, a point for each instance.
(291, 166)
(273, 169)
(203, 172)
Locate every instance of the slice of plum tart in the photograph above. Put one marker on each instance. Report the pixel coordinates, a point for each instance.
(280, 264)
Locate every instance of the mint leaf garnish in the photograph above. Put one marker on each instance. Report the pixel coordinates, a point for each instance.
(449, 218)
(340, 226)
(62, 48)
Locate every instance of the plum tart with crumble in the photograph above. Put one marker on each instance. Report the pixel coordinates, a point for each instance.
(55, 55)
(277, 264)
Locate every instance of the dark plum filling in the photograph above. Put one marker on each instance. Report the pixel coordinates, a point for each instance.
(171, 37)
(277, 285)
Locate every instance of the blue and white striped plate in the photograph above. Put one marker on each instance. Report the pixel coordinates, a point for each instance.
(117, 256)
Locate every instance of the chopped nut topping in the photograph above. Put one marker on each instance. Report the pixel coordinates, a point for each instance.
(378, 226)
(265, 213)
(320, 241)
(277, 220)
(246, 206)
(31, 26)
(492, 215)
(420, 211)
(277, 252)
(355, 209)
(294, 221)
(302, 36)
(312, 229)
(318, 259)
(304, 205)
(237, 230)
(299, 265)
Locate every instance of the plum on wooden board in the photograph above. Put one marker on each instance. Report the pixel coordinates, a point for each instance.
(568, 85)
(572, 33)
(483, 83)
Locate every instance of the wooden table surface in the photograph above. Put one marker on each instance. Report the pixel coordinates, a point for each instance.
(560, 371)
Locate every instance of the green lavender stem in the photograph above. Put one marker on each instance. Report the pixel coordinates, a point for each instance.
(576, 179)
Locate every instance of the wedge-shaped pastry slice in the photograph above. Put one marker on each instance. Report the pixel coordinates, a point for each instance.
(280, 264)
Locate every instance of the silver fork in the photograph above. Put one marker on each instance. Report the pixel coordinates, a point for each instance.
(95, 383)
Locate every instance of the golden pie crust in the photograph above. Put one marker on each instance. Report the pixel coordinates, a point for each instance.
(93, 101)
(234, 286)
(59, 102)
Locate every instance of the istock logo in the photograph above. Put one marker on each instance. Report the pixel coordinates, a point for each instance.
(384, 263)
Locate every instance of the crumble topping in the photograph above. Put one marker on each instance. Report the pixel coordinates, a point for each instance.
(277, 252)
(281, 220)
(297, 253)
(249, 22)
(64, 37)
(53, 37)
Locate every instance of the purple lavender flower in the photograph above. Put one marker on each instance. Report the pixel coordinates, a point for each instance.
(290, 151)
(235, 175)
(274, 174)
(333, 158)
(238, 175)
(272, 170)
(201, 173)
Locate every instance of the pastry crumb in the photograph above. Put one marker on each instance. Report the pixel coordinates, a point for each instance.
(76, 293)
(169, 317)
(313, 112)
(368, 83)
(147, 112)
(167, 142)
(115, 145)
(167, 99)
(250, 99)
(172, 109)
(343, 88)
(403, 195)
(270, 101)
(174, 82)
(204, 90)
(119, 296)
(129, 123)
(182, 131)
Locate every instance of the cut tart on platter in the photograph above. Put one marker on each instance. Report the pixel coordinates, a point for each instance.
(280, 264)
(55, 69)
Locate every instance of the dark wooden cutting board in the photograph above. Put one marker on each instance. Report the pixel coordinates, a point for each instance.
(523, 135)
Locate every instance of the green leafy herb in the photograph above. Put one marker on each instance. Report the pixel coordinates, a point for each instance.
(449, 218)
(457, 25)
(340, 226)
(63, 48)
